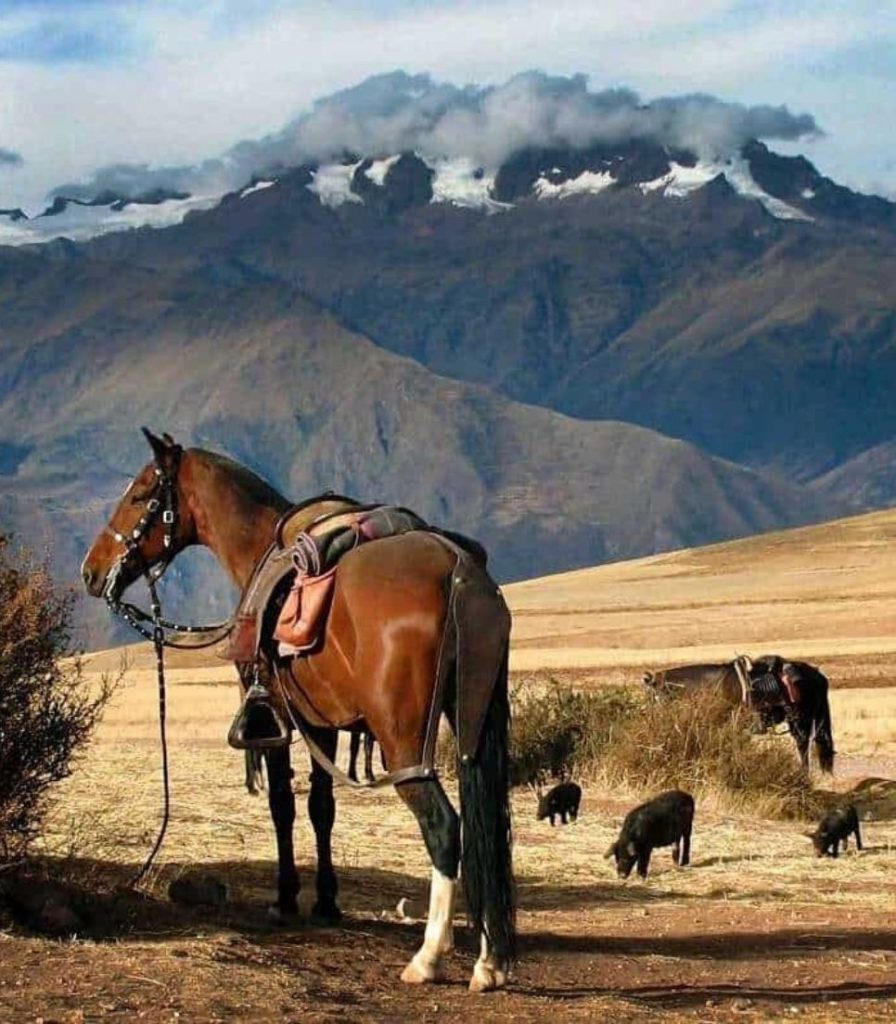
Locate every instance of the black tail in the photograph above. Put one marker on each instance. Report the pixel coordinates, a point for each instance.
(823, 732)
(486, 851)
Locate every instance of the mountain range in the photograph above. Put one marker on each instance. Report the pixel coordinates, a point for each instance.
(578, 354)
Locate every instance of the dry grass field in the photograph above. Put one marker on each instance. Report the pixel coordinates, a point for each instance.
(755, 929)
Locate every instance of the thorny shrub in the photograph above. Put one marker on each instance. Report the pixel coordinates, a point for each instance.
(46, 709)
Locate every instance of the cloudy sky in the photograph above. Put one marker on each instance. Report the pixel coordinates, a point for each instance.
(87, 83)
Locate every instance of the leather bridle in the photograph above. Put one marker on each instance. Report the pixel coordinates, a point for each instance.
(162, 502)
(162, 499)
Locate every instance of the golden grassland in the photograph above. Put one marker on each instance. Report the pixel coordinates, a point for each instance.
(825, 592)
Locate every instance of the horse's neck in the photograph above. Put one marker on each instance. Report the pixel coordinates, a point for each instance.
(233, 524)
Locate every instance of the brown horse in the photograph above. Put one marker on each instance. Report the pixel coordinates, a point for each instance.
(807, 718)
(410, 620)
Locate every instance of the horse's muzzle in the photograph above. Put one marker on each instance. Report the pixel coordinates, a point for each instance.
(92, 582)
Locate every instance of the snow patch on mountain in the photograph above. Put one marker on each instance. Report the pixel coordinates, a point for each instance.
(79, 221)
(463, 183)
(587, 183)
(259, 186)
(332, 184)
(682, 181)
(378, 170)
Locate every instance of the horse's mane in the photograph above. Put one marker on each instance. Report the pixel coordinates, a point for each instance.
(257, 489)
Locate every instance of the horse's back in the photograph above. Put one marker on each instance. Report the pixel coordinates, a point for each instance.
(695, 675)
(384, 630)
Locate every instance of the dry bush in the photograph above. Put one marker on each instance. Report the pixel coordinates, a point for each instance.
(557, 731)
(46, 711)
(624, 740)
(702, 745)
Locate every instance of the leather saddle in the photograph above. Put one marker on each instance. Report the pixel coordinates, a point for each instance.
(295, 578)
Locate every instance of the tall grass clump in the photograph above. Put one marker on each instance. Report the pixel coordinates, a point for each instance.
(703, 745)
(46, 710)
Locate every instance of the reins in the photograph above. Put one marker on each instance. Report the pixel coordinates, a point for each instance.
(159, 646)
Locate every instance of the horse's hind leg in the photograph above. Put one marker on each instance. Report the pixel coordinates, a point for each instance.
(801, 730)
(322, 812)
(368, 757)
(440, 826)
(282, 803)
(353, 748)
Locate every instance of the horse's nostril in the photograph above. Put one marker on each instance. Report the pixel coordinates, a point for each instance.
(89, 576)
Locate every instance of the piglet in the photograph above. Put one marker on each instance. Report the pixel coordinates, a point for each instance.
(664, 820)
(835, 827)
(562, 800)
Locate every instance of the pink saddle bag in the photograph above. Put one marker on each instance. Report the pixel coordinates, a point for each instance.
(304, 612)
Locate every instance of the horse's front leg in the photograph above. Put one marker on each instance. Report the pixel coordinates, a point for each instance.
(322, 812)
(282, 803)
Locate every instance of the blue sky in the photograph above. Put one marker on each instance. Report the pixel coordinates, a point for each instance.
(86, 84)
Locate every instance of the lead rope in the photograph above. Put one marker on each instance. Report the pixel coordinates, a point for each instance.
(158, 639)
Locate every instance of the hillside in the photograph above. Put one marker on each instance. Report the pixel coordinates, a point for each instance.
(259, 372)
(825, 592)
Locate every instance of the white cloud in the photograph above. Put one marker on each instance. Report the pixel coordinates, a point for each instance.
(195, 83)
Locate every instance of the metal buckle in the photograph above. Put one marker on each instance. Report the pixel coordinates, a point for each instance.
(152, 504)
(168, 517)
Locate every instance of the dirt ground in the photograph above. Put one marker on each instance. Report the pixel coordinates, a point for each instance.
(755, 929)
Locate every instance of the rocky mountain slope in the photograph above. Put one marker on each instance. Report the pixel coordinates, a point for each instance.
(257, 371)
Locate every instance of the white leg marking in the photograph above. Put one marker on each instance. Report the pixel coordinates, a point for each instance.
(438, 939)
(488, 973)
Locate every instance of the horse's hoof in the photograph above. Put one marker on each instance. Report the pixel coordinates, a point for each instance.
(487, 979)
(324, 914)
(282, 915)
(417, 973)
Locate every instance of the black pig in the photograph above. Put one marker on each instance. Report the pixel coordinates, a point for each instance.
(667, 818)
(835, 827)
(563, 800)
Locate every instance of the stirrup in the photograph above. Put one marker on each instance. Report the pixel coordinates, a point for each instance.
(258, 725)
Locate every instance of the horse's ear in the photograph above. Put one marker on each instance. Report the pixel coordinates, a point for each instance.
(163, 448)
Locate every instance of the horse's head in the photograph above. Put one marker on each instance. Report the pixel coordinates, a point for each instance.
(149, 526)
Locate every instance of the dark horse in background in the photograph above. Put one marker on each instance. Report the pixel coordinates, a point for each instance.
(415, 628)
(807, 718)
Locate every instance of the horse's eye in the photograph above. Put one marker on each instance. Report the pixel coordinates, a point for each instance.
(140, 499)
